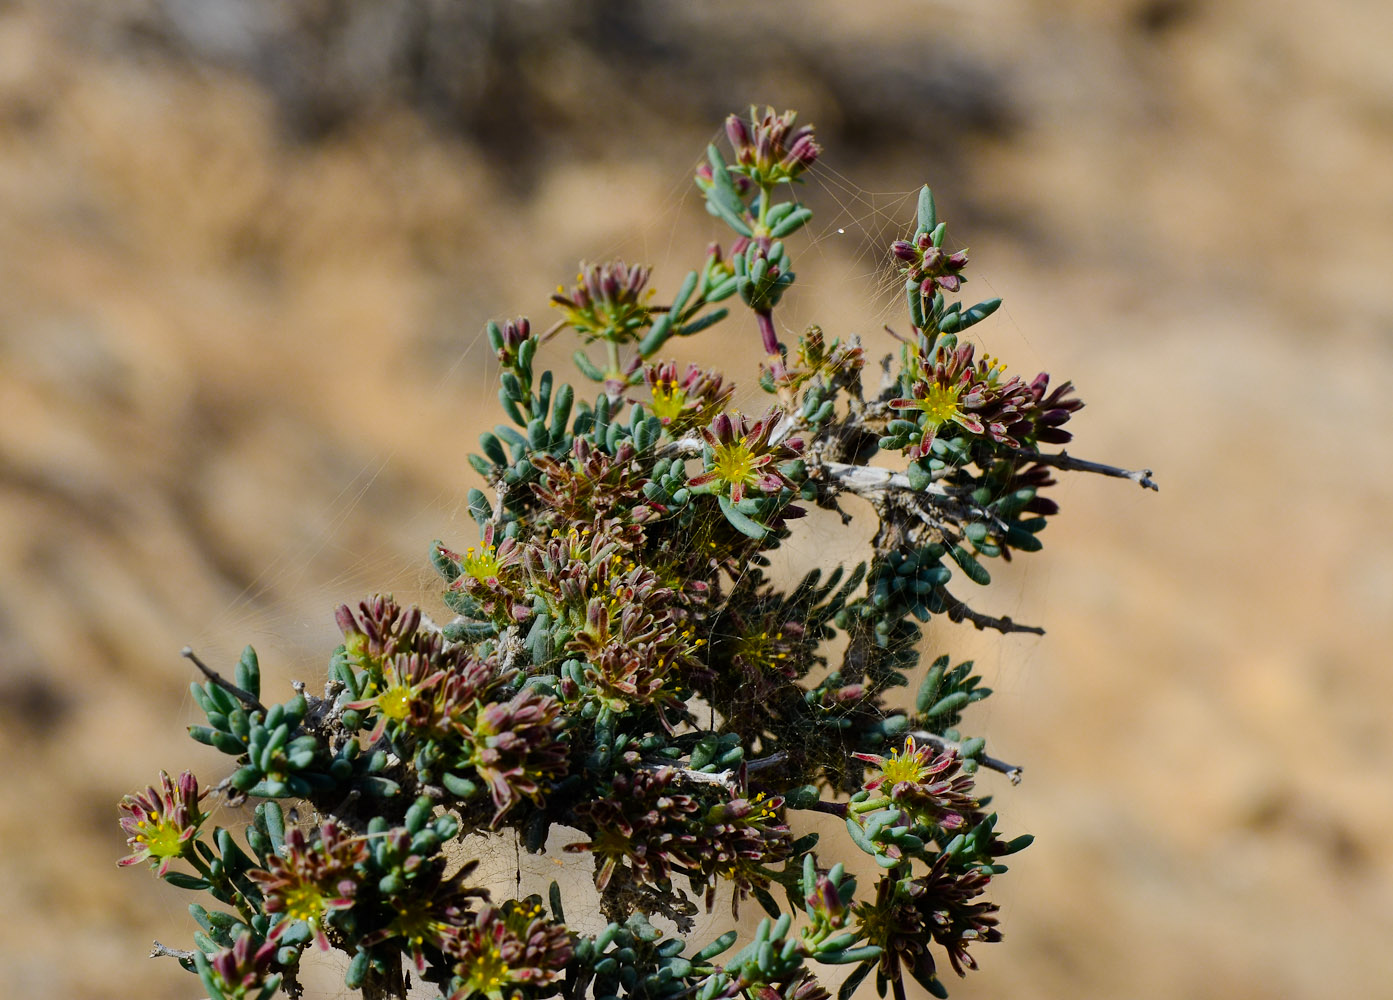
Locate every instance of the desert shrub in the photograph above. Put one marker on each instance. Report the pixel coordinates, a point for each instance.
(624, 671)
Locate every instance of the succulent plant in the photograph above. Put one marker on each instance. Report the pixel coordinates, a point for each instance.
(624, 661)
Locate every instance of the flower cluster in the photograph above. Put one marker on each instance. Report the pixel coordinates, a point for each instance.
(640, 824)
(835, 364)
(486, 575)
(946, 901)
(311, 882)
(504, 949)
(742, 457)
(405, 696)
(650, 828)
(425, 909)
(635, 645)
(442, 698)
(930, 787)
(951, 388)
(607, 303)
(589, 486)
(740, 839)
(162, 822)
(687, 402)
(908, 914)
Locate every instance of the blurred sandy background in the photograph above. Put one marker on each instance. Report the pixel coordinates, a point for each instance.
(247, 247)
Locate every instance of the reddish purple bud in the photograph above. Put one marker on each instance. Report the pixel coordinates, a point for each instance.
(802, 155)
(738, 133)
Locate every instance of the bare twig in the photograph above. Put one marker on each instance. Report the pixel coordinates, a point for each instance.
(500, 496)
(764, 763)
(694, 776)
(870, 481)
(245, 697)
(958, 611)
(1012, 771)
(716, 777)
(509, 646)
(682, 446)
(1063, 460)
(158, 950)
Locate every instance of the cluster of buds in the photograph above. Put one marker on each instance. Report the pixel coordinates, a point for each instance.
(507, 341)
(947, 902)
(607, 303)
(516, 746)
(379, 629)
(804, 986)
(771, 148)
(741, 839)
(925, 262)
(245, 971)
(1052, 410)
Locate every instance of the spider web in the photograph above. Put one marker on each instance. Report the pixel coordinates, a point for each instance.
(286, 612)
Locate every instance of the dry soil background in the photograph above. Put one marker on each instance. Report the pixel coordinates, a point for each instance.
(246, 249)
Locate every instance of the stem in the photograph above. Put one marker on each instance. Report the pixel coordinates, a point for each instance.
(762, 223)
(765, 319)
(225, 883)
(612, 354)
